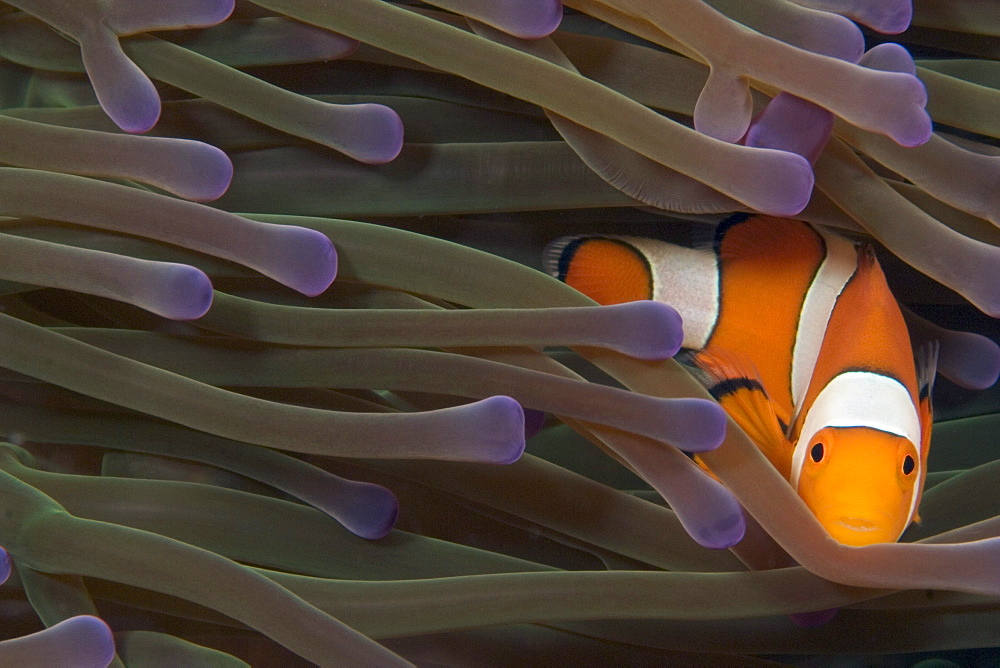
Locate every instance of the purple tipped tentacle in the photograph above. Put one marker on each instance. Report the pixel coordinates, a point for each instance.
(647, 330)
(969, 360)
(911, 125)
(176, 291)
(777, 183)
(190, 169)
(966, 359)
(490, 431)
(889, 57)
(885, 16)
(84, 641)
(532, 19)
(125, 93)
(690, 424)
(129, 18)
(790, 123)
(527, 19)
(825, 33)
(321, 43)
(694, 425)
(168, 289)
(724, 107)
(369, 133)
(713, 518)
(707, 510)
(4, 565)
(187, 168)
(365, 509)
(836, 36)
(301, 258)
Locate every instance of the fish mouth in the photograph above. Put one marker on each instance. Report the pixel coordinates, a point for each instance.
(858, 524)
(858, 531)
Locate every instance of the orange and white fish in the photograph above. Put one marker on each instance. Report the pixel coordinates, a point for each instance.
(805, 347)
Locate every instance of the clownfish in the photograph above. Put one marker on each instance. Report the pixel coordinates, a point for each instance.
(795, 332)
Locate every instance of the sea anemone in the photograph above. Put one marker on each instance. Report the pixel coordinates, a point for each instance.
(219, 453)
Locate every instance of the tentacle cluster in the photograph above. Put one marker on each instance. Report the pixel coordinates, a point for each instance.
(237, 414)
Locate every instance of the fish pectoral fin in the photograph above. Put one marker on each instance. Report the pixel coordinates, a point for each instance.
(925, 358)
(736, 385)
(926, 362)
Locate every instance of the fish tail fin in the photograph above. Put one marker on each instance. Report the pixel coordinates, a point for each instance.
(757, 236)
(607, 269)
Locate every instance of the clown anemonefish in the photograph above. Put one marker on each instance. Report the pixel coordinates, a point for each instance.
(797, 335)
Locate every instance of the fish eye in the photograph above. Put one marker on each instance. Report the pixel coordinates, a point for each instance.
(908, 465)
(816, 452)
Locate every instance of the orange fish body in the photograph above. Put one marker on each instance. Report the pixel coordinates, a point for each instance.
(804, 346)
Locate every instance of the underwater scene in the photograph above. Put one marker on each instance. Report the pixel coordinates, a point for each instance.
(301, 363)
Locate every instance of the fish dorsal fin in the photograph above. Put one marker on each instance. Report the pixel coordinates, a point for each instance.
(737, 386)
(743, 236)
(609, 270)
